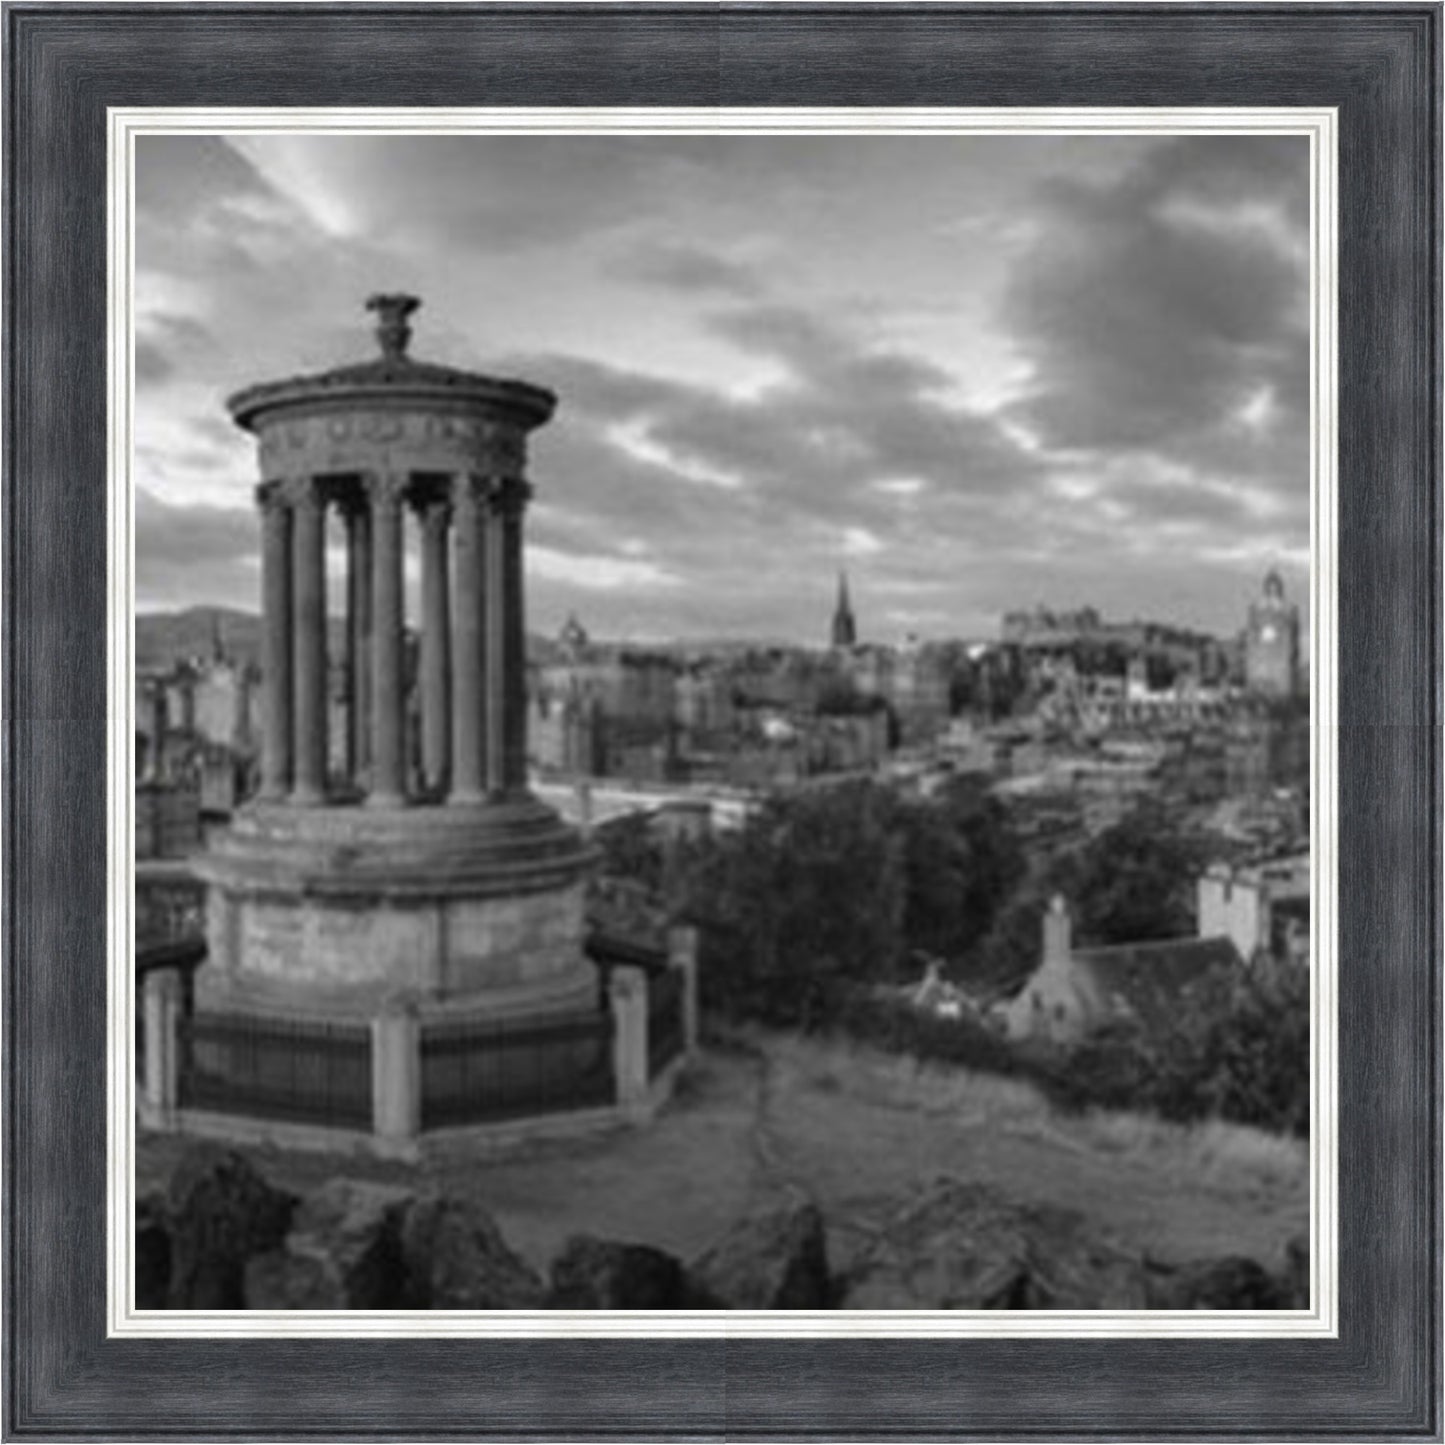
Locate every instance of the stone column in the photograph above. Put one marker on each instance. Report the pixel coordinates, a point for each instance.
(275, 641)
(388, 718)
(308, 539)
(468, 605)
(436, 649)
(514, 739)
(506, 640)
(494, 643)
(358, 635)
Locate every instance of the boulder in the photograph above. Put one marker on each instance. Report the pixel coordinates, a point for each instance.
(603, 1274)
(776, 1260)
(456, 1259)
(964, 1246)
(1296, 1281)
(343, 1252)
(1232, 1282)
(220, 1212)
(152, 1252)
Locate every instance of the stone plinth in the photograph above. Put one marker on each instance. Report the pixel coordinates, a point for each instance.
(331, 912)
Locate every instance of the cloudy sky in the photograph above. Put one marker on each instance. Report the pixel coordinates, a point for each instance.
(976, 372)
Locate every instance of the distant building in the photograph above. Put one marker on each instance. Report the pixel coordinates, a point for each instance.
(1076, 991)
(1261, 908)
(167, 819)
(845, 627)
(1271, 644)
(572, 639)
(1042, 627)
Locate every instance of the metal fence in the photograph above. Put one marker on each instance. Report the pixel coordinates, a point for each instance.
(298, 1071)
(666, 1035)
(478, 1072)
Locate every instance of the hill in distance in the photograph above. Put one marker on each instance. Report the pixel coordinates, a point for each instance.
(164, 639)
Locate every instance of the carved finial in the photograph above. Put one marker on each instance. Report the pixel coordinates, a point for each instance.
(393, 333)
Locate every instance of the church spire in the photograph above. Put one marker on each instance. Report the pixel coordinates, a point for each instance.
(845, 629)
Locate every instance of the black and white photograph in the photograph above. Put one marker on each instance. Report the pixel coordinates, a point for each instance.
(722, 721)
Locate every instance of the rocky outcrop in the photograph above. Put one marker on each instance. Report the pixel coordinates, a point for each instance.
(1231, 1283)
(603, 1274)
(219, 1213)
(343, 1252)
(964, 1246)
(222, 1238)
(152, 1252)
(777, 1260)
(1296, 1281)
(456, 1259)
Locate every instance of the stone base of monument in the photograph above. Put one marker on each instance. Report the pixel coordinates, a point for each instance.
(335, 912)
(410, 979)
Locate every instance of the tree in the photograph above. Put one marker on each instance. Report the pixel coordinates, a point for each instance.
(806, 900)
(628, 847)
(962, 861)
(1134, 883)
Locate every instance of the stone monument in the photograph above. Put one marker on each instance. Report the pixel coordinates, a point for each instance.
(421, 868)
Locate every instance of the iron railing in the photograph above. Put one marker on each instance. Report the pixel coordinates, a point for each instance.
(478, 1072)
(298, 1071)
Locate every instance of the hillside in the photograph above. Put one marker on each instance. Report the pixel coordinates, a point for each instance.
(163, 639)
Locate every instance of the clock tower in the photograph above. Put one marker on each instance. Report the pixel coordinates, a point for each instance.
(1271, 647)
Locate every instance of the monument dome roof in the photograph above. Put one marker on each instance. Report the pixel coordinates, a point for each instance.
(394, 375)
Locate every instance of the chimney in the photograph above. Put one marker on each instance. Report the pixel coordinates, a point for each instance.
(1058, 933)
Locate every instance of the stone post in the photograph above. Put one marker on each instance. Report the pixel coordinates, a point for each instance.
(308, 784)
(436, 651)
(468, 691)
(161, 1016)
(388, 719)
(627, 996)
(396, 1073)
(682, 950)
(275, 641)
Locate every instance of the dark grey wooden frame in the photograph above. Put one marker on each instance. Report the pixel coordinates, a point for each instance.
(1380, 64)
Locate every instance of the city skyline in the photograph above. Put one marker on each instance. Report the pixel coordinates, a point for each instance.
(976, 373)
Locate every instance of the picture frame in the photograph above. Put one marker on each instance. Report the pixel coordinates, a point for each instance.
(65, 66)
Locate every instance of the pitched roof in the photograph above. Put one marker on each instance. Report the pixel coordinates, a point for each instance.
(1151, 978)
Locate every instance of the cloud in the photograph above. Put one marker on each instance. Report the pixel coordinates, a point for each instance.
(599, 572)
(860, 542)
(486, 194)
(1157, 307)
(686, 268)
(152, 365)
(995, 368)
(190, 554)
